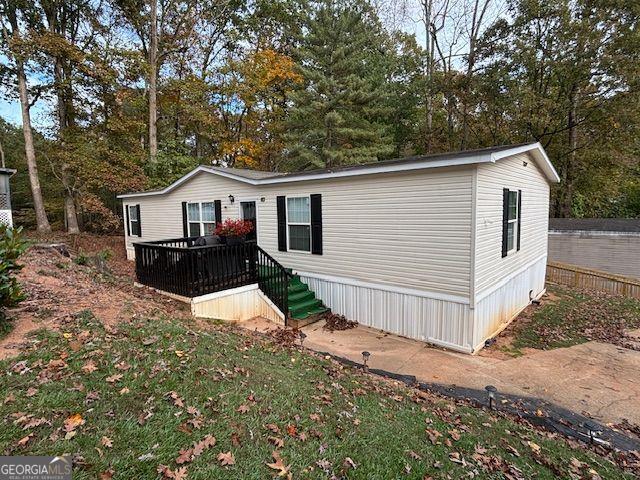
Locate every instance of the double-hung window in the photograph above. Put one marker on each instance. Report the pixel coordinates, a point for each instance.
(134, 220)
(299, 223)
(201, 218)
(512, 220)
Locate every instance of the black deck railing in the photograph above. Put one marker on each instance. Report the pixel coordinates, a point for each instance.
(177, 266)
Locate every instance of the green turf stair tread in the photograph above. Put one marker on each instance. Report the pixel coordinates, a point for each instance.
(302, 301)
(296, 288)
(304, 304)
(300, 296)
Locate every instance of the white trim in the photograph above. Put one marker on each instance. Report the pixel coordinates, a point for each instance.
(387, 288)
(514, 221)
(224, 293)
(286, 204)
(538, 153)
(200, 222)
(135, 207)
(488, 291)
(535, 149)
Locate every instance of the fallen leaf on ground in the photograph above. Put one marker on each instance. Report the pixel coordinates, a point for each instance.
(24, 440)
(72, 422)
(226, 459)
(106, 442)
(278, 464)
(114, 378)
(106, 475)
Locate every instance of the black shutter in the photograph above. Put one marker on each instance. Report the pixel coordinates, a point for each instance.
(519, 217)
(282, 223)
(217, 205)
(185, 225)
(316, 224)
(139, 220)
(505, 220)
(128, 223)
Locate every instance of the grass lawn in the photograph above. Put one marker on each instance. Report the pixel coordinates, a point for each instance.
(161, 399)
(575, 317)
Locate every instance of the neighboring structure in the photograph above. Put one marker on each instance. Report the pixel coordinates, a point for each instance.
(442, 248)
(608, 244)
(5, 196)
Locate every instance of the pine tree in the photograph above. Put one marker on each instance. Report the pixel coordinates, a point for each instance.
(338, 117)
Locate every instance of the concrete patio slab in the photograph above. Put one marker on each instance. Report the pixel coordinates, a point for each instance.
(594, 378)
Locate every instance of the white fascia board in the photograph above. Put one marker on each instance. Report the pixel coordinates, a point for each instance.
(539, 155)
(404, 167)
(181, 180)
(535, 148)
(470, 160)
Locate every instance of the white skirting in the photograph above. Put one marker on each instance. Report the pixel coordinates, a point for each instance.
(447, 322)
(131, 253)
(236, 304)
(497, 307)
(443, 322)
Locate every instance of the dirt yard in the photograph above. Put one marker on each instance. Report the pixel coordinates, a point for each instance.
(96, 277)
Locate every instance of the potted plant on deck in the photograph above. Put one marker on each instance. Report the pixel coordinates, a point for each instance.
(233, 232)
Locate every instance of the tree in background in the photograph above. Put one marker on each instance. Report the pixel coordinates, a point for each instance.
(338, 117)
(566, 72)
(14, 18)
(299, 84)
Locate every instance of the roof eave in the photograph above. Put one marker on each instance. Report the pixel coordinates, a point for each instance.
(541, 157)
(534, 148)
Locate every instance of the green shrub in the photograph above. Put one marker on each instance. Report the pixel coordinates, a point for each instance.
(12, 245)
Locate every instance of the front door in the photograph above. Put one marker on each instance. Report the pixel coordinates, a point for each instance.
(248, 212)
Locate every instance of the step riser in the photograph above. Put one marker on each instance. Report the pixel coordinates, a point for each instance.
(304, 307)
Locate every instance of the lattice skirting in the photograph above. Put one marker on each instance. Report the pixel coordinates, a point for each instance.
(6, 218)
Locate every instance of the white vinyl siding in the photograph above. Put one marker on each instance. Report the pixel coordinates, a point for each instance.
(511, 173)
(408, 229)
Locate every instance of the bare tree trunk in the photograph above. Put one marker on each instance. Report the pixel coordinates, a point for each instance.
(71, 214)
(572, 124)
(2, 159)
(153, 84)
(427, 6)
(41, 215)
(477, 19)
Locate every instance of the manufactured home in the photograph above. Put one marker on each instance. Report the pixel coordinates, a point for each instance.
(445, 248)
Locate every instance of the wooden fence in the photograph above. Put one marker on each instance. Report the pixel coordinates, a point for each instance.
(574, 276)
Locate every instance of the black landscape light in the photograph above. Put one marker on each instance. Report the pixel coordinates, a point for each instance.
(491, 390)
(594, 430)
(302, 336)
(365, 358)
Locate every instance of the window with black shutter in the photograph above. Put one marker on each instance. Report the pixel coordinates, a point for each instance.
(511, 206)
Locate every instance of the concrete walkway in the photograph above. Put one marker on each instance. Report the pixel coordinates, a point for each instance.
(596, 379)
